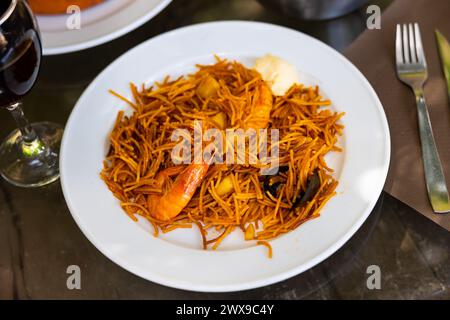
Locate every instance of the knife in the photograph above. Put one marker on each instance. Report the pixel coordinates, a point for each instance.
(444, 52)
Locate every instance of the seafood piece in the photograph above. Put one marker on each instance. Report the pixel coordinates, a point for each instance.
(260, 115)
(170, 203)
(312, 188)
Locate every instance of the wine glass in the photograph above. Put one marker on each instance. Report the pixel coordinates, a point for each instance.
(29, 156)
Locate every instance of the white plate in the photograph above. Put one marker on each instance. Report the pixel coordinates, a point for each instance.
(177, 260)
(99, 24)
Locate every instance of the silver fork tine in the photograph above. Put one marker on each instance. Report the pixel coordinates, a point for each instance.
(412, 45)
(419, 47)
(405, 44)
(398, 45)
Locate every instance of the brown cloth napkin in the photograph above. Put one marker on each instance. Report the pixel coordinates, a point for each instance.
(373, 53)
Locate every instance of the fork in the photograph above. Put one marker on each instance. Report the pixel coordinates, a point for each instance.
(412, 70)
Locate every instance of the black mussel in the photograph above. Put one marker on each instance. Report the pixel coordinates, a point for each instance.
(312, 187)
(272, 186)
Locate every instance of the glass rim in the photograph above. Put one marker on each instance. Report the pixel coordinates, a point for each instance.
(8, 12)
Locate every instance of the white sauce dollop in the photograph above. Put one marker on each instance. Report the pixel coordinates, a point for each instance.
(279, 74)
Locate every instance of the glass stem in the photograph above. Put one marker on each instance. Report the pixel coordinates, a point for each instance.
(28, 134)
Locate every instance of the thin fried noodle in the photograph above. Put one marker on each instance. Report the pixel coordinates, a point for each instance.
(141, 147)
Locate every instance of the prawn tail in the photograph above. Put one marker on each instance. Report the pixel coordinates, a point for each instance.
(167, 206)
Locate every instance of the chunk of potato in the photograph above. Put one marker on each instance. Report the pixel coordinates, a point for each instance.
(220, 120)
(225, 186)
(208, 87)
(249, 232)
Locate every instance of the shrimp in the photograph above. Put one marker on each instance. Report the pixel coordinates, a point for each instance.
(168, 205)
(260, 115)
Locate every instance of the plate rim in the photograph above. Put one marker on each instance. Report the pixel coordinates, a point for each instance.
(291, 271)
(57, 50)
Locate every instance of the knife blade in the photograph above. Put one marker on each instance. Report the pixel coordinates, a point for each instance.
(444, 52)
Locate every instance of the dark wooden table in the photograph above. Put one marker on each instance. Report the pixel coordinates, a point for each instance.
(39, 239)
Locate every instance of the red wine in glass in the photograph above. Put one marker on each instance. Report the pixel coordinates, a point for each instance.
(29, 155)
(19, 67)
